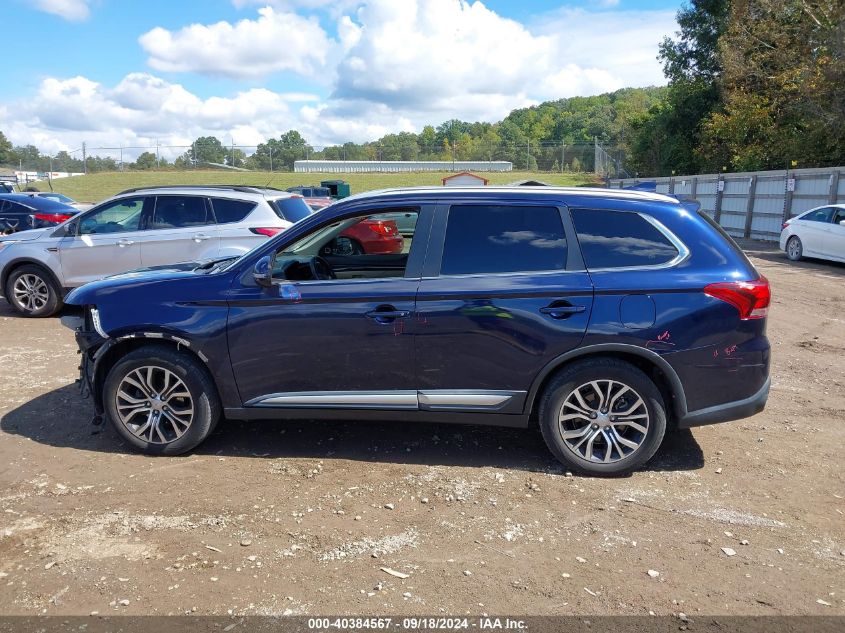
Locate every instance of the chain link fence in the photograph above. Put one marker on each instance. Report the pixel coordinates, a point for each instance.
(547, 156)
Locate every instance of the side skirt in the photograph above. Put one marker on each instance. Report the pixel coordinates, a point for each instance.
(378, 415)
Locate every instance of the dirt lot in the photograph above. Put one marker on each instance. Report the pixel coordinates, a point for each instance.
(299, 518)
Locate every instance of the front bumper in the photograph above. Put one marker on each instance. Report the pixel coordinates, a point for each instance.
(729, 411)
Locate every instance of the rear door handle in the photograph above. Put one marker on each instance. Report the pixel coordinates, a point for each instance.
(387, 315)
(200, 237)
(562, 311)
(125, 242)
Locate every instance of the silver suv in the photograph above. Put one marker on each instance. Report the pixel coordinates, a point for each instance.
(139, 228)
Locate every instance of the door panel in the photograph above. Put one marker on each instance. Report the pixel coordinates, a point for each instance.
(182, 229)
(107, 241)
(834, 241)
(324, 336)
(497, 332)
(813, 228)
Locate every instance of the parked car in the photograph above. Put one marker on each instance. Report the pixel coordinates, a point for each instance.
(19, 212)
(818, 233)
(603, 316)
(59, 197)
(315, 197)
(139, 227)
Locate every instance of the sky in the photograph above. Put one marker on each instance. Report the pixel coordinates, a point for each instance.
(139, 73)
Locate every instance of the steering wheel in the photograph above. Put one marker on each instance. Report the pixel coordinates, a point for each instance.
(320, 268)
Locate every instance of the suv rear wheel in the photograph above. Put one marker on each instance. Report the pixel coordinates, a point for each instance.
(161, 401)
(602, 417)
(31, 291)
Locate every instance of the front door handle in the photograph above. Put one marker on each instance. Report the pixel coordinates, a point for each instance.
(201, 237)
(125, 242)
(562, 310)
(387, 314)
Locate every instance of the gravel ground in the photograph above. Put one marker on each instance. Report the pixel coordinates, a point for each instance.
(316, 518)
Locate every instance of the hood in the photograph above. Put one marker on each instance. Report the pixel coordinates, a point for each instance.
(25, 236)
(88, 293)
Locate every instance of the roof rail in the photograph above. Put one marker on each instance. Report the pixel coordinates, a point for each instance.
(241, 188)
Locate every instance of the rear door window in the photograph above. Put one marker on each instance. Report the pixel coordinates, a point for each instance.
(620, 239)
(227, 210)
(177, 212)
(503, 239)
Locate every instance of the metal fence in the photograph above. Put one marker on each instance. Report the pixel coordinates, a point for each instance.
(754, 204)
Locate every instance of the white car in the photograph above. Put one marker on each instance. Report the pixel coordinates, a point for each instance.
(816, 233)
(139, 228)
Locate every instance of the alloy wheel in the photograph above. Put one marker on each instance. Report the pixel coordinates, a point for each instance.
(603, 421)
(30, 292)
(154, 404)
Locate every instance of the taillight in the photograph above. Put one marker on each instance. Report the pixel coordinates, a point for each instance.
(58, 218)
(266, 231)
(784, 225)
(751, 298)
(382, 227)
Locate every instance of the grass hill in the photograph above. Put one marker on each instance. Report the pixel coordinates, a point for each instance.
(96, 187)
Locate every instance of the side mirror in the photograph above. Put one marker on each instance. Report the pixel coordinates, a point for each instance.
(262, 272)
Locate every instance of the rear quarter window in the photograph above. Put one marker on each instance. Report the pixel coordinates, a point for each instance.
(227, 210)
(503, 239)
(290, 209)
(620, 239)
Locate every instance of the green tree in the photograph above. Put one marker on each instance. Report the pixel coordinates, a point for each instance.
(784, 68)
(5, 150)
(208, 149)
(145, 160)
(668, 137)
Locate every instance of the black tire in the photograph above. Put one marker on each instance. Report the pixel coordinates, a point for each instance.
(794, 248)
(579, 375)
(197, 381)
(34, 276)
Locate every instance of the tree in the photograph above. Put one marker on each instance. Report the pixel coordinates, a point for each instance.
(695, 55)
(668, 138)
(146, 160)
(5, 150)
(208, 149)
(784, 68)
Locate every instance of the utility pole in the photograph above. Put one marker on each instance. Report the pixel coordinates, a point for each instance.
(233, 151)
(158, 158)
(121, 158)
(271, 159)
(528, 155)
(84, 158)
(562, 155)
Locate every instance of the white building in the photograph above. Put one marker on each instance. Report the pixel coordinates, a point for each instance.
(358, 166)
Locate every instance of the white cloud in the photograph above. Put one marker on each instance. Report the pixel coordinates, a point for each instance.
(143, 109)
(392, 66)
(272, 43)
(73, 10)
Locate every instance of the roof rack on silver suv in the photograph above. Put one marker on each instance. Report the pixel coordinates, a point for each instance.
(241, 188)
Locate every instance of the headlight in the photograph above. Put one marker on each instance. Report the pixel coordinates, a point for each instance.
(95, 320)
(6, 243)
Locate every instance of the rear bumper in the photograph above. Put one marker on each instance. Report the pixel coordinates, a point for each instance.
(729, 411)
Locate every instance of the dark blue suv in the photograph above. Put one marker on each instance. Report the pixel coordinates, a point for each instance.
(601, 316)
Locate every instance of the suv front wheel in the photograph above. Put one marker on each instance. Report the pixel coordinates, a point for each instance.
(31, 291)
(602, 417)
(161, 401)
